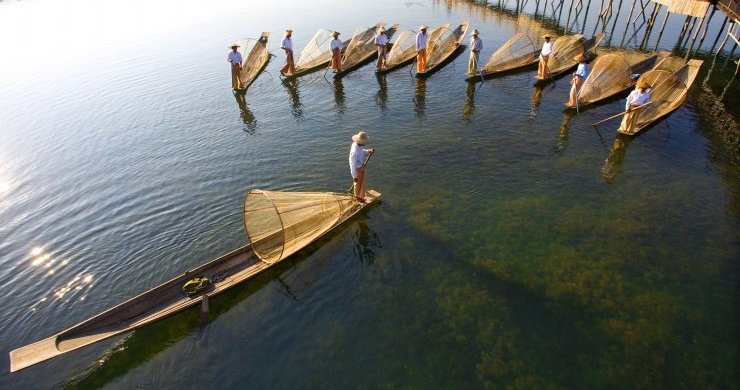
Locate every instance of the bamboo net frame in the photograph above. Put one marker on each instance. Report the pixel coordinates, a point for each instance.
(403, 48)
(520, 50)
(255, 55)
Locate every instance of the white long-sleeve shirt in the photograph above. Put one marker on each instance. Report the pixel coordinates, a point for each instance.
(638, 98)
(336, 44)
(234, 57)
(582, 71)
(421, 41)
(287, 44)
(546, 49)
(476, 44)
(357, 156)
(381, 39)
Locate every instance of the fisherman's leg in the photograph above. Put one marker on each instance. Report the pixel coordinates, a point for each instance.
(360, 184)
(234, 76)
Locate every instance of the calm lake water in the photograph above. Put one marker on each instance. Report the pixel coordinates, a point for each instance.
(515, 245)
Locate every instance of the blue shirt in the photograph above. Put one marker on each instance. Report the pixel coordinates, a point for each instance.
(582, 71)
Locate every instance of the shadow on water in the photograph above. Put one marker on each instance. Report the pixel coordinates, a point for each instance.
(615, 159)
(381, 97)
(562, 142)
(246, 114)
(296, 108)
(338, 88)
(420, 92)
(469, 107)
(295, 276)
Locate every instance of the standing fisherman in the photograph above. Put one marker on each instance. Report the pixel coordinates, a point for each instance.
(577, 81)
(287, 46)
(235, 58)
(381, 40)
(476, 45)
(357, 158)
(637, 98)
(421, 49)
(336, 53)
(542, 70)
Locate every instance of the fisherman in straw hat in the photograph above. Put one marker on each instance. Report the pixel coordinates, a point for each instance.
(336, 53)
(476, 45)
(635, 102)
(381, 41)
(421, 49)
(235, 58)
(577, 81)
(287, 46)
(542, 70)
(357, 157)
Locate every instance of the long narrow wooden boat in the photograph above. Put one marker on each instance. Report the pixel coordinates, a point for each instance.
(255, 60)
(669, 91)
(402, 52)
(361, 49)
(315, 55)
(520, 51)
(278, 224)
(613, 73)
(565, 49)
(443, 43)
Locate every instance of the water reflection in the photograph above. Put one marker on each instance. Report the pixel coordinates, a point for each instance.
(535, 101)
(469, 107)
(420, 92)
(296, 108)
(365, 240)
(381, 97)
(562, 142)
(75, 288)
(613, 162)
(245, 113)
(339, 95)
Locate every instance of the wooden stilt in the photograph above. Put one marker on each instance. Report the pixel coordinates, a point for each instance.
(614, 24)
(585, 16)
(732, 53)
(719, 34)
(570, 10)
(696, 34)
(649, 27)
(599, 18)
(629, 17)
(706, 28)
(688, 33)
(724, 41)
(662, 28)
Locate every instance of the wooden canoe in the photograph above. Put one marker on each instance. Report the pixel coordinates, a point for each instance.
(402, 52)
(315, 55)
(442, 44)
(564, 51)
(520, 51)
(669, 91)
(168, 298)
(612, 74)
(255, 60)
(361, 49)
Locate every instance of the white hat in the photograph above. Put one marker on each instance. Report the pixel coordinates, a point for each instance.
(475, 31)
(288, 31)
(381, 29)
(423, 27)
(234, 45)
(361, 138)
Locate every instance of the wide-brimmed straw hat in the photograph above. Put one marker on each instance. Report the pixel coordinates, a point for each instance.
(475, 31)
(581, 57)
(381, 29)
(234, 45)
(288, 31)
(423, 27)
(546, 36)
(335, 33)
(361, 138)
(642, 84)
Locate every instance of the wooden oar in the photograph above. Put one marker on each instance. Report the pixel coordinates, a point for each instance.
(620, 114)
(352, 187)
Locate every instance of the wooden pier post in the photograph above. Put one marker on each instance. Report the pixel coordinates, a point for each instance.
(570, 10)
(649, 27)
(696, 34)
(585, 17)
(688, 33)
(629, 17)
(662, 27)
(600, 17)
(614, 24)
(719, 34)
(706, 28)
(724, 41)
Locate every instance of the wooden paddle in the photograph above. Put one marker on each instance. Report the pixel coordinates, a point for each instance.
(364, 163)
(620, 114)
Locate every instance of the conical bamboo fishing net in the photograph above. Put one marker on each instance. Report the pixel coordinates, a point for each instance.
(565, 49)
(519, 50)
(316, 52)
(442, 42)
(612, 73)
(403, 48)
(361, 45)
(668, 93)
(280, 223)
(255, 58)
